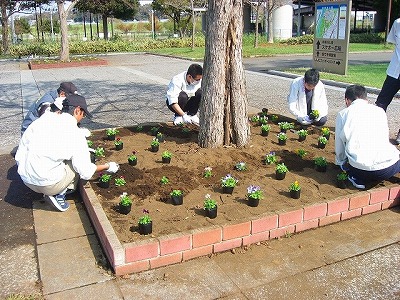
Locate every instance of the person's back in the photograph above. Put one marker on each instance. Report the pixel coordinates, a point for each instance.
(362, 140)
(366, 133)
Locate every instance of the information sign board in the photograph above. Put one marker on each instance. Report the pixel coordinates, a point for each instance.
(331, 36)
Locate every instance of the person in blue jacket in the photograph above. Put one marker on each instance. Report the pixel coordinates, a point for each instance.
(42, 104)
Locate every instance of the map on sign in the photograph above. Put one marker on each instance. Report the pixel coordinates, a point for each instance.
(327, 20)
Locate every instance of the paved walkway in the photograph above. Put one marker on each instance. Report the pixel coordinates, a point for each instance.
(353, 259)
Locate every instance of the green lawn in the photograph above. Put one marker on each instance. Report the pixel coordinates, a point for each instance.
(372, 75)
(268, 50)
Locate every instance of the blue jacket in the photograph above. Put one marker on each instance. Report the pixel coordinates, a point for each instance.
(33, 112)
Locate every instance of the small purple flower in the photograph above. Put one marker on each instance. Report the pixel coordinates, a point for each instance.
(252, 189)
(145, 211)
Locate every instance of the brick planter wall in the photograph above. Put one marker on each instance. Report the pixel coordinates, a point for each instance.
(176, 248)
(32, 65)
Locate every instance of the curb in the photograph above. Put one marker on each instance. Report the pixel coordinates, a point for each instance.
(176, 248)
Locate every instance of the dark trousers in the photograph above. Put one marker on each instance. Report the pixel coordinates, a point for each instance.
(188, 105)
(390, 87)
(378, 175)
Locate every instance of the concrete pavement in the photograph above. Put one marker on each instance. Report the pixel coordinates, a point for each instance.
(353, 259)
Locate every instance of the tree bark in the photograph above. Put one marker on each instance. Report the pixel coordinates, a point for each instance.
(4, 27)
(223, 109)
(64, 52)
(105, 27)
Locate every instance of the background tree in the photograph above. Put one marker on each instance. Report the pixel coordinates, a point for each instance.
(8, 8)
(21, 26)
(63, 14)
(223, 108)
(120, 9)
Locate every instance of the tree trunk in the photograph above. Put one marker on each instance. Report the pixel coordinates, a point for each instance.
(270, 29)
(4, 27)
(223, 109)
(256, 33)
(64, 53)
(105, 27)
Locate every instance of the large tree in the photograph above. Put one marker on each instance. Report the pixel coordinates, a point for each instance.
(223, 109)
(63, 13)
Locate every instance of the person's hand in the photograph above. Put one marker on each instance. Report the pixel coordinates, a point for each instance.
(186, 118)
(308, 119)
(304, 120)
(86, 132)
(113, 167)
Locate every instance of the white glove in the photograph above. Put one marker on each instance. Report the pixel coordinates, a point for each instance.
(307, 119)
(91, 150)
(113, 167)
(186, 118)
(86, 132)
(303, 120)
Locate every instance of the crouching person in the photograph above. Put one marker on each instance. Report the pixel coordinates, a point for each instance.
(53, 153)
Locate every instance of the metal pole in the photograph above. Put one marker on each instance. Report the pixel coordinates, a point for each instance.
(388, 21)
(152, 24)
(194, 24)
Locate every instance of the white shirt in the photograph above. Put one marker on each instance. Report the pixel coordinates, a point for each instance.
(46, 144)
(393, 37)
(179, 84)
(362, 137)
(298, 103)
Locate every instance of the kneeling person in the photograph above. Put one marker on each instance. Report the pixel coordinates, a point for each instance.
(53, 153)
(184, 95)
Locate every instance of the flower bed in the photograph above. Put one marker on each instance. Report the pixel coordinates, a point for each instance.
(35, 64)
(183, 232)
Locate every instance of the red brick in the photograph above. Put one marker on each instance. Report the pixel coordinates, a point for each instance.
(291, 217)
(371, 208)
(197, 252)
(315, 211)
(359, 200)
(307, 225)
(391, 203)
(275, 233)
(351, 214)
(165, 260)
(206, 236)
(175, 243)
(237, 230)
(141, 250)
(379, 195)
(132, 267)
(329, 219)
(255, 238)
(394, 192)
(227, 245)
(338, 206)
(264, 224)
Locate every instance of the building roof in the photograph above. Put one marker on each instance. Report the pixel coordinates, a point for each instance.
(365, 5)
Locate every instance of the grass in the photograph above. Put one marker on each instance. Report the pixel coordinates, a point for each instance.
(268, 50)
(372, 75)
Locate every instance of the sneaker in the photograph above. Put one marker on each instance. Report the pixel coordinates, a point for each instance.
(59, 202)
(397, 140)
(178, 120)
(345, 167)
(356, 182)
(195, 120)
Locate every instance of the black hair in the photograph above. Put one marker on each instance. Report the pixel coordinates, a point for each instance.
(355, 91)
(195, 70)
(67, 108)
(311, 77)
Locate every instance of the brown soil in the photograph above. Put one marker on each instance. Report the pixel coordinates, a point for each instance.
(186, 170)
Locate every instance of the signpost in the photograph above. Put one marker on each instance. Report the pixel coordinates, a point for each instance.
(331, 36)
